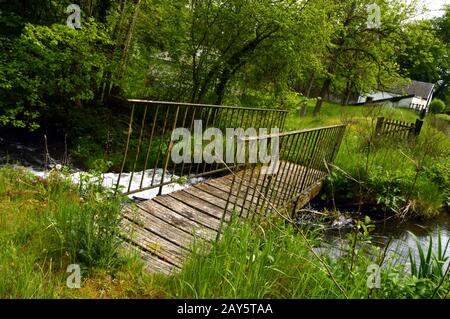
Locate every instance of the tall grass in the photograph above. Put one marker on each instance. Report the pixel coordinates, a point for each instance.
(45, 224)
(252, 261)
(277, 261)
(430, 264)
(405, 177)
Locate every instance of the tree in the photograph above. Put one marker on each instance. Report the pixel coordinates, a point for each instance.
(49, 70)
(355, 48)
(423, 57)
(226, 36)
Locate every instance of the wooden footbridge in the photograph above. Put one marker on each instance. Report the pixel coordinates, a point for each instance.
(163, 229)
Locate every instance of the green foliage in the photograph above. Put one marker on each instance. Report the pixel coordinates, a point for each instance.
(431, 264)
(252, 262)
(45, 226)
(439, 173)
(437, 106)
(404, 177)
(50, 70)
(397, 285)
(276, 261)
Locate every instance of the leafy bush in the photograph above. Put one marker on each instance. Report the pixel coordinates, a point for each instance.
(437, 106)
(49, 70)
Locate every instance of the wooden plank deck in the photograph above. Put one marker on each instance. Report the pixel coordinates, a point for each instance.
(163, 229)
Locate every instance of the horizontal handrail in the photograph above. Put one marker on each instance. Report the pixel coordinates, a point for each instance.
(281, 134)
(205, 105)
(149, 141)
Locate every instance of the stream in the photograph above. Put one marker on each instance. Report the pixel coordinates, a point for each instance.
(399, 236)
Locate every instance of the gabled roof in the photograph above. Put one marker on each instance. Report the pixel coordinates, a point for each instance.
(417, 88)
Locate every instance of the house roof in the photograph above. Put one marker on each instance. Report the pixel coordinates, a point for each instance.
(417, 88)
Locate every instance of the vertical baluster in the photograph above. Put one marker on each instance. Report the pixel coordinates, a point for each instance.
(149, 146)
(163, 132)
(138, 151)
(130, 130)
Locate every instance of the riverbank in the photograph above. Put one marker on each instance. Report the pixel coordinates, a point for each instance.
(48, 224)
(407, 178)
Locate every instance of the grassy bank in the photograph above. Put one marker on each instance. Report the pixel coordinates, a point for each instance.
(273, 260)
(407, 178)
(47, 224)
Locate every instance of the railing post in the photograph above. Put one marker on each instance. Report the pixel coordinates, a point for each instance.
(380, 121)
(130, 131)
(418, 127)
(337, 144)
(423, 112)
(168, 153)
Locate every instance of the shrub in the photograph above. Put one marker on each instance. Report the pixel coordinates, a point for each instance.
(63, 68)
(437, 106)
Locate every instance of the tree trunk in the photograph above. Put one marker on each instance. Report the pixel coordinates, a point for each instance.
(311, 82)
(303, 110)
(323, 93)
(129, 38)
(107, 78)
(220, 88)
(347, 98)
(347, 93)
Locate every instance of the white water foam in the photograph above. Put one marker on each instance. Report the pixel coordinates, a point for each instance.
(109, 180)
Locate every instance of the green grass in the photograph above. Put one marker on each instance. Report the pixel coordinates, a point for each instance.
(387, 176)
(258, 262)
(333, 113)
(47, 224)
(272, 260)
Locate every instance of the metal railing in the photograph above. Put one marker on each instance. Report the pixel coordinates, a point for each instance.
(149, 143)
(303, 159)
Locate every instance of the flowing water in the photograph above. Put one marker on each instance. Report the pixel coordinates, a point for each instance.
(400, 238)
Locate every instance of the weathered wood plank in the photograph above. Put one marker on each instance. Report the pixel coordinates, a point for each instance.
(198, 203)
(217, 190)
(177, 220)
(207, 197)
(163, 229)
(152, 243)
(153, 263)
(158, 227)
(188, 212)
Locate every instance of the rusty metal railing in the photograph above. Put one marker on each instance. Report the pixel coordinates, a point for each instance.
(147, 159)
(303, 159)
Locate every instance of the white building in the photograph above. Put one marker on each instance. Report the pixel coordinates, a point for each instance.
(417, 95)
